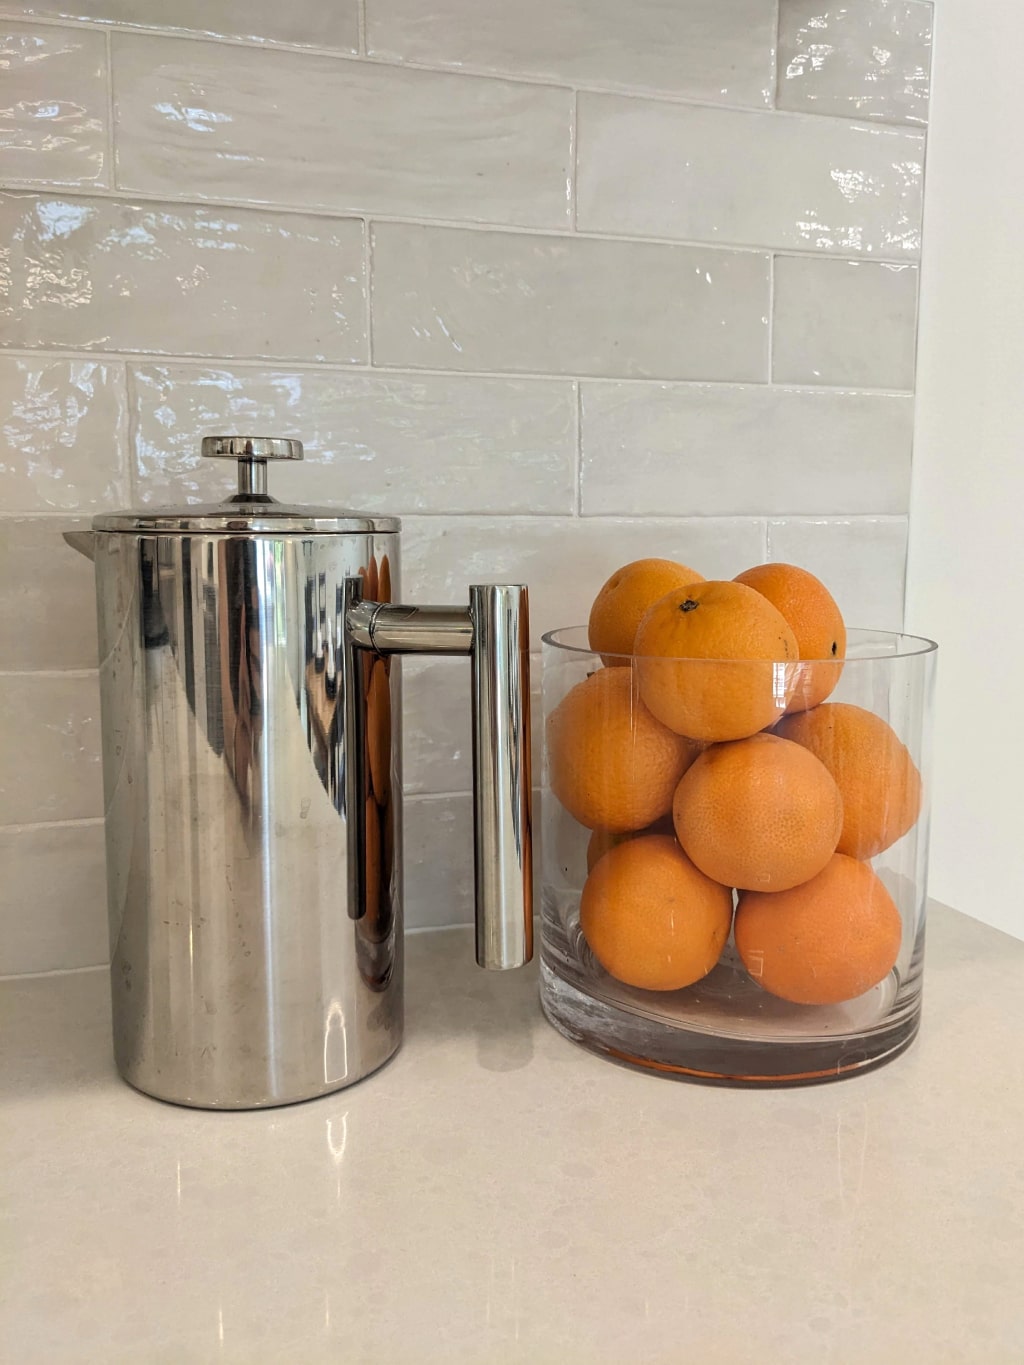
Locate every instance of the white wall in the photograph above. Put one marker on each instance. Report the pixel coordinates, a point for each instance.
(966, 562)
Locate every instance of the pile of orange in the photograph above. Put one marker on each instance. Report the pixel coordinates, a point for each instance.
(705, 757)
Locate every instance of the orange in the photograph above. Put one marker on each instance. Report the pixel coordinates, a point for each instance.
(876, 777)
(714, 621)
(602, 840)
(378, 921)
(371, 582)
(378, 731)
(651, 918)
(829, 940)
(816, 621)
(373, 865)
(610, 763)
(623, 600)
(760, 814)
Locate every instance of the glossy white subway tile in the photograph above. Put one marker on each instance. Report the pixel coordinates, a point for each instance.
(53, 898)
(868, 60)
(844, 322)
(760, 179)
(201, 120)
(105, 274)
(47, 596)
(438, 842)
(391, 443)
(863, 562)
(63, 435)
(53, 105)
(439, 859)
(303, 22)
(697, 450)
(49, 747)
(564, 561)
(719, 51)
(436, 732)
(461, 300)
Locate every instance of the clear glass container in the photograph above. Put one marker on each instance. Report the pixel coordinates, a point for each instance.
(760, 933)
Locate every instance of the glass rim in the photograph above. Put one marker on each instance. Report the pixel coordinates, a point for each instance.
(916, 646)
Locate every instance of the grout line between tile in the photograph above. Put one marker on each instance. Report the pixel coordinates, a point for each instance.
(368, 275)
(578, 482)
(411, 929)
(771, 318)
(52, 824)
(528, 518)
(54, 971)
(47, 672)
(129, 453)
(361, 24)
(111, 142)
(574, 161)
(745, 516)
(524, 519)
(126, 194)
(146, 360)
(462, 69)
(775, 56)
(764, 541)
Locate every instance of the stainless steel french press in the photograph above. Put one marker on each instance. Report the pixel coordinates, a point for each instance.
(251, 704)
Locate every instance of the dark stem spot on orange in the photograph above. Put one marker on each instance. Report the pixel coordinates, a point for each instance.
(688, 605)
(835, 648)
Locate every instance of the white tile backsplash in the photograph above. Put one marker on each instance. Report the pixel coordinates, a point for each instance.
(438, 840)
(564, 561)
(389, 442)
(63, 435)
(53, 899)
(53, 105)
(439, 859)
(567, 305)
(310, 23)
(862, 560)
(710, 451)
(47, 598)
(49, 747)
(871, 59)
(844, 322)
(436, 730)
(564, 283)
(104, 274)
(655, 169)
(212, 122)
(719, 51)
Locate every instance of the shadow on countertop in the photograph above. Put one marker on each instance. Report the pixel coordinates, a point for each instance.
(57, 1034)
(447, 995)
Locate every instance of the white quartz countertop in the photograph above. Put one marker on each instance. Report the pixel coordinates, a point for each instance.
(495, 1194)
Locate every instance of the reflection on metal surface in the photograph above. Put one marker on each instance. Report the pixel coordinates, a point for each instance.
(503, 840)
(252, 779)
(235, 976)
(494, 630)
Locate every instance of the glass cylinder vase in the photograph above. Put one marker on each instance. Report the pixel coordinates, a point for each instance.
(749, 909)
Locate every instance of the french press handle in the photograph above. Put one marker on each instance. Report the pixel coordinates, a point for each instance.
(494, 631)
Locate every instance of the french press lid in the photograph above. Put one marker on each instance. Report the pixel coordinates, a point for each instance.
(251, 510)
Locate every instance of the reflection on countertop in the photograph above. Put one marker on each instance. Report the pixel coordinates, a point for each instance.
(497, 1194)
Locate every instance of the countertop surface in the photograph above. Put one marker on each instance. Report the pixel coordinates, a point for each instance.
(497, 1194)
